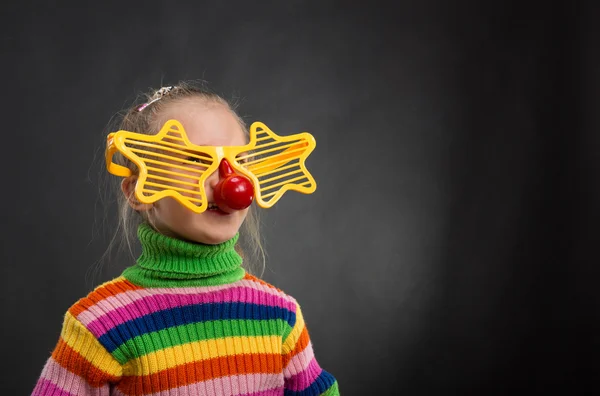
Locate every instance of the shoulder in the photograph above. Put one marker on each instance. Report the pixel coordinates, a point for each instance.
(102, 300)
(267, 295)
(264, 287)
(118, 301)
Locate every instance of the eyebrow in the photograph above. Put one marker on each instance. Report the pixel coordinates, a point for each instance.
(197, 154)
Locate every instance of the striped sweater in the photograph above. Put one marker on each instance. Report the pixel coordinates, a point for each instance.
(185, 320)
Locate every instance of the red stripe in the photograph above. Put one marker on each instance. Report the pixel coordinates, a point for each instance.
(203, 370)
(73, 361)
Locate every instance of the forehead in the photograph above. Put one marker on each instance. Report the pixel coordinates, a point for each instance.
(206, 123)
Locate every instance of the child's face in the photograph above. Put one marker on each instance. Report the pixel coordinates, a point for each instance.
(206, 124)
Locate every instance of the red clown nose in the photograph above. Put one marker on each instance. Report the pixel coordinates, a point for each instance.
(233, 192)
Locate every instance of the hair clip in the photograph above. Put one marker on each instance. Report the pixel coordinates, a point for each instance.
(159, 94)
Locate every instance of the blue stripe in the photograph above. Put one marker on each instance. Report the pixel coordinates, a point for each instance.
(188, 314)
(321, 384)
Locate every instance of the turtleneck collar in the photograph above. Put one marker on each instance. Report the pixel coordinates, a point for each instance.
(170, 262)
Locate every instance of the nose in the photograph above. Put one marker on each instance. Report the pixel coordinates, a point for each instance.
(232, 191)
(213, 180)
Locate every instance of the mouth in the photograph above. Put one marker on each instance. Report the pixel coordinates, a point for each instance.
(214, 209)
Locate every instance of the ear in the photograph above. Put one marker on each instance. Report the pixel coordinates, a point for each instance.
(128, 187)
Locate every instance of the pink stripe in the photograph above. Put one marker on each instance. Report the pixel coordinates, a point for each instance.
(304, 379)
(299, 362)
(62, 379)
(156, 303)
(123, 299)
(249, 384)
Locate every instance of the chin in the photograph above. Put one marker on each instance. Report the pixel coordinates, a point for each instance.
(212, 237)
(205, 228)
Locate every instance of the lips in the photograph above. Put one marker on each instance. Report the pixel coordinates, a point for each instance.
(214, 209)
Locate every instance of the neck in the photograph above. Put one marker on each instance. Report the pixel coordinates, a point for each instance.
(169, 262)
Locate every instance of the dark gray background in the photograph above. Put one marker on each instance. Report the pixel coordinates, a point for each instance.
(451, 246)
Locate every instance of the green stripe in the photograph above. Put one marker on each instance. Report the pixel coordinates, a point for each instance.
(287, 329)
(333, 390)
(179, 335)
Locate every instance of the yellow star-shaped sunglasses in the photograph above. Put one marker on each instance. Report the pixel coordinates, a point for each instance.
(169, 165)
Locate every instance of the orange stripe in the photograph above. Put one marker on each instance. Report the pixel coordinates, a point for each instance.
(71, 360)
(101, 293)
(302, 342)
(203, 370)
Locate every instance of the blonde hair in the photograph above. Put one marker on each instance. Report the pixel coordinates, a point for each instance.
(143, 117)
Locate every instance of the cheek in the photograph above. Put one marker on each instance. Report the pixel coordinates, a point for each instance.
(169, 208)
(243, 214)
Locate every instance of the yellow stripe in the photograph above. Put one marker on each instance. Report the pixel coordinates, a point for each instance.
(118, 279)
(202, 350)
(292, 338)
(81, 340)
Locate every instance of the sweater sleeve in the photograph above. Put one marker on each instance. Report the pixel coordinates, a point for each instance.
(302, 374)
(79, 365)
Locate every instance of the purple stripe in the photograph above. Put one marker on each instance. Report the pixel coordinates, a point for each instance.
(110, 303)
(304, 379)
(45, 387)
(159, 302)
(270, 392)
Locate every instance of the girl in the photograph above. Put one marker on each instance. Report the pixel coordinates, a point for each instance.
(185, 319)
